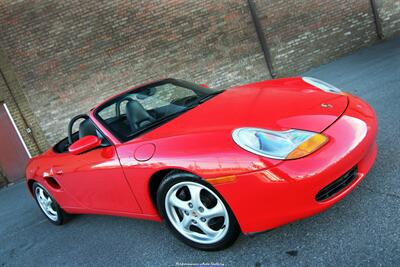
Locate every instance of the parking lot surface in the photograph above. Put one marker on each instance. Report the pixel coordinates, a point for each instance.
(361, 230)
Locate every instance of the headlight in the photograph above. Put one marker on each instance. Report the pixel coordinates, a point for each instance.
(290, 144)
(322, 85)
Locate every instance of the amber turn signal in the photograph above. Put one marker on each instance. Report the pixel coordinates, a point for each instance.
(308, 146)
(221, 180)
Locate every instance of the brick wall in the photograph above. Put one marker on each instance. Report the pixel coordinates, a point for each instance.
(14, 97)
(302, 34)
(69, 55)
(389, 12)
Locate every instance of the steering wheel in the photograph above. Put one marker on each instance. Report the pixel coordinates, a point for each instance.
(71, 124)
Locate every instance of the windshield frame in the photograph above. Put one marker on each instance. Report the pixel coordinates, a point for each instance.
(202, 92)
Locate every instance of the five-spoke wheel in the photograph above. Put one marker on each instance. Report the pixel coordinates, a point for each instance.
(194, 210)
(47, 204)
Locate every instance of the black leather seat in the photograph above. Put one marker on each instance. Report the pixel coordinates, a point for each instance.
(137, 116)
(87, 128)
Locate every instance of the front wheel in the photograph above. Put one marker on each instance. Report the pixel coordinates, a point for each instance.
(196, 213)
(47, 204)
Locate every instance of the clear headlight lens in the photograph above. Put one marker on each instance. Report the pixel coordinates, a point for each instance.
(290, 144)
(322, 85)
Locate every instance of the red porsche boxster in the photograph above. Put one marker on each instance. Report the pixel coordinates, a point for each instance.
(210, 163)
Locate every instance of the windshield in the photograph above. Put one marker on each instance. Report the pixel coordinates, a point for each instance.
(145, 108)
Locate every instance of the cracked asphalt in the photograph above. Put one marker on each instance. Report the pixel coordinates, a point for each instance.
(361, 230)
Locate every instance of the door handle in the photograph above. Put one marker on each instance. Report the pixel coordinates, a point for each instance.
(59, 172)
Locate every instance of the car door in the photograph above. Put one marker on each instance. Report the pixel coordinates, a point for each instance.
(96, 180)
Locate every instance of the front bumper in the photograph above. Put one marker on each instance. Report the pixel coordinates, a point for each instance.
(269, 198)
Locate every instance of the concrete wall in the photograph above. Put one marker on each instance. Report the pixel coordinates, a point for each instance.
(63, 57)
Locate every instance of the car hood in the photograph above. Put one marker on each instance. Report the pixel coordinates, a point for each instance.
(275, 105)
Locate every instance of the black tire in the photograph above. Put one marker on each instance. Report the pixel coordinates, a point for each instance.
(174, 178)
(61, 215)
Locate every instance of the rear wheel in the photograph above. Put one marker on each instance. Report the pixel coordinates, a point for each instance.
(196, 213)
(47, 204)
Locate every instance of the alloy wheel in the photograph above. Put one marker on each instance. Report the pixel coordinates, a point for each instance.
(46, 203)
(197, 212)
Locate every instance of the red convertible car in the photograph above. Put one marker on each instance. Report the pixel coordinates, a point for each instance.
(210, 163)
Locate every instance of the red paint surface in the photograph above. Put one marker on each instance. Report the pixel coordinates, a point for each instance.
(145, 152)
(267, 193)
(84, 144)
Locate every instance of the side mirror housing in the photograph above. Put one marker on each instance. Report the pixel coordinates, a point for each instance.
(204, 85)
(84, 144)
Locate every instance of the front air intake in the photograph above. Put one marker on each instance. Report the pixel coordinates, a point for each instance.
(336, 186)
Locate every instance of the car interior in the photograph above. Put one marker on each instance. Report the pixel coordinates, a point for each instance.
(86, 127)
(131, 114)
(136, 117)
(124, 124)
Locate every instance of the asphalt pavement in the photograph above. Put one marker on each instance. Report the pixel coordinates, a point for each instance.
(361, 230)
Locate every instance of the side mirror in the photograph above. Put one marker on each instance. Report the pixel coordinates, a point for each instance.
(204, 85)
(84, 144)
